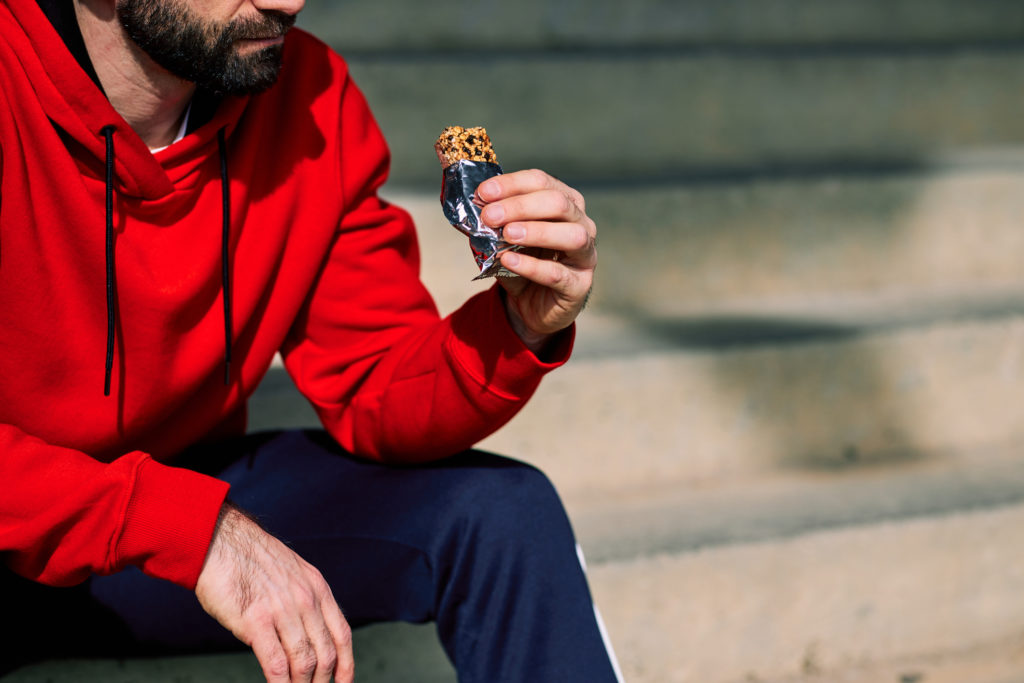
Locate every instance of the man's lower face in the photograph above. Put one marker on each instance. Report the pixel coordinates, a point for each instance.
(239, 57)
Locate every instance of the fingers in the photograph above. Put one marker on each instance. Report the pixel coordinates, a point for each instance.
(537, 210)
(570, 282)
(526, 182)
(319, 660)
(319, 644)
(271, 656)
(574, 240)
(315, 647)
(276, 602)
(543, 215)
(542, 205)
(341, 635)
(298, 647)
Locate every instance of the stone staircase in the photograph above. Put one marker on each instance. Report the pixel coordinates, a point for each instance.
(790, 438)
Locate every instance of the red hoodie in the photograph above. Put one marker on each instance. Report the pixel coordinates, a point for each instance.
(320, 269)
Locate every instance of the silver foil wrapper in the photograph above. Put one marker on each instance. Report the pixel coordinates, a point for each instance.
(462, 209)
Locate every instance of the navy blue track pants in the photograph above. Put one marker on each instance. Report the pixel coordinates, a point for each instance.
(477, 543)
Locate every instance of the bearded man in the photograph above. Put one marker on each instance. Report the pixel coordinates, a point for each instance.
(188, 187)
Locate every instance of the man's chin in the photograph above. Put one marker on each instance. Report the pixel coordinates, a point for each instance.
(249, 74)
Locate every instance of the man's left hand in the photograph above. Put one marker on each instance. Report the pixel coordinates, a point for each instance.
(538, 211)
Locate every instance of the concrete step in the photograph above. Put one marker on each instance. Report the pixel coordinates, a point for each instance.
(693, 517)
(614, 116)
(947, 392)
(365, 25)
(817, 605)
(691, 249)
(999, 662)
(837, 577)
(776, 246)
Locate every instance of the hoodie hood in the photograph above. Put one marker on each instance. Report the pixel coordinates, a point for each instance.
(143, 276)
(77, 107)
(73, 101)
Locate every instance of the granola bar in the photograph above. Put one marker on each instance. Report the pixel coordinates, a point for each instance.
(470, 144)
(467, 159)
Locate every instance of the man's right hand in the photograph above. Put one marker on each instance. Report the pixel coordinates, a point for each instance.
(275, 602)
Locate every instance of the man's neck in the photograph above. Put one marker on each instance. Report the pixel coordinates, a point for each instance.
(151, 100)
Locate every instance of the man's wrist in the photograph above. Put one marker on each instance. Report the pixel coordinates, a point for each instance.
(531, 340)
(534, 341)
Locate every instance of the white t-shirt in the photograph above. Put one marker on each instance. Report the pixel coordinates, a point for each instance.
(181, 131)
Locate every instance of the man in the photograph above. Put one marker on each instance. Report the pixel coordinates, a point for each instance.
(187, 188)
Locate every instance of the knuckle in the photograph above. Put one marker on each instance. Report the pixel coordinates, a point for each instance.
(260, 618)
(557, 278)
(580, 200)
(305, 664)
(557, 204)
(538, 177)
(306, 600)
(580, 238)
(301, 650)
(318, 585)
(317, 578)
(566, 206)
(277, 666)
(325, 598)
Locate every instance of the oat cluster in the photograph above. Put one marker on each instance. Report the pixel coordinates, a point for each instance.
(457, 144)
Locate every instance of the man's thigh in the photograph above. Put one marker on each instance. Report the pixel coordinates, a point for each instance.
(378, 533)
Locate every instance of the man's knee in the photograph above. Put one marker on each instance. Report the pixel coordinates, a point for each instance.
(512, 503)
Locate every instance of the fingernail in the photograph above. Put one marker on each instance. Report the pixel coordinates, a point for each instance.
(510, 259)
(494, 215)
(488, 191)
(514, 232)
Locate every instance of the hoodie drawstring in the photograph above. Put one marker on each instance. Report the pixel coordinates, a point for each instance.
(225, 266)
(108, 133)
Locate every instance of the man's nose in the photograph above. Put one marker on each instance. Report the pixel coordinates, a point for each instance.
(286, 6)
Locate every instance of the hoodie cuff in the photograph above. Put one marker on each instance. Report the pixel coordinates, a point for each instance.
(169, 522)
(487, 347)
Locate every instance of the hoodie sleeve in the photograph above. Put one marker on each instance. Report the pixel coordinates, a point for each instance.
(389, 379)
(64, 515)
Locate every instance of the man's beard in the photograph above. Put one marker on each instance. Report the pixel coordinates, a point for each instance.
(206, 52)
